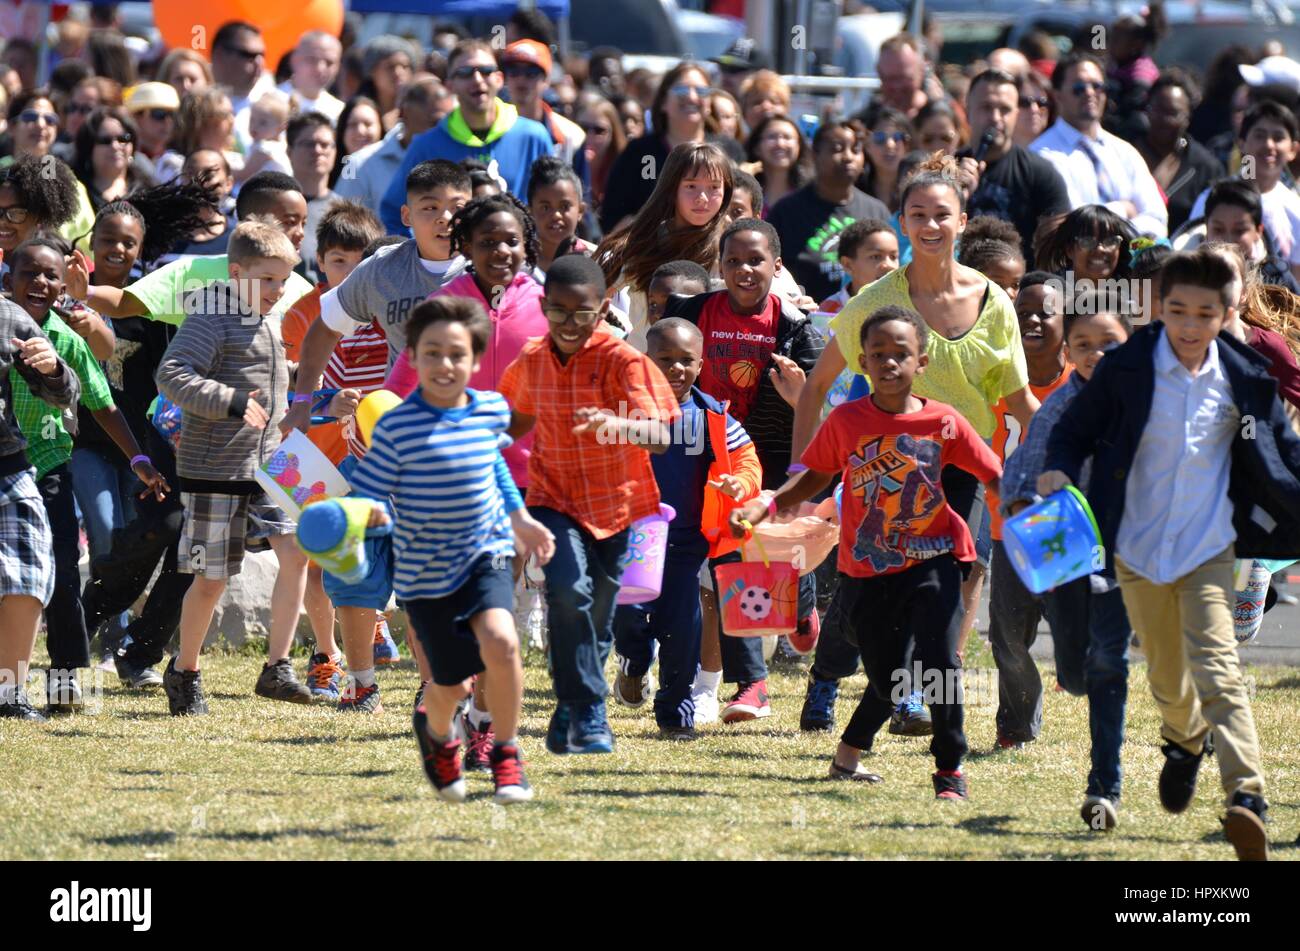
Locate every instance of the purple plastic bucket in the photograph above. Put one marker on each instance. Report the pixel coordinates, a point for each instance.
(643, 562)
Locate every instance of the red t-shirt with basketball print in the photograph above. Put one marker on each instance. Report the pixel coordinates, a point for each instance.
(736, 351)
(893, 511)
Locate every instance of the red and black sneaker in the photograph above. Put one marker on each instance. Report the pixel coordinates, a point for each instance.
(749, 703)
(478, 745)
(949, 784)
(441, 760)
(804, 640)
(355, 698)
(508, 775)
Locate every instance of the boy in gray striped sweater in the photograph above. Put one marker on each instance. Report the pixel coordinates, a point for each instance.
(227, 370)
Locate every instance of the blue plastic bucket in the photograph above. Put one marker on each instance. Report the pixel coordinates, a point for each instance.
(1053, 542)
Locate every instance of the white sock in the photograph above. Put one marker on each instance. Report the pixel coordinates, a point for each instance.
(364, 678)
(708, 679)
(476, 716)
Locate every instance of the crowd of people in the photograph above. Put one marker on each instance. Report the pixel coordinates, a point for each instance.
(596, 292)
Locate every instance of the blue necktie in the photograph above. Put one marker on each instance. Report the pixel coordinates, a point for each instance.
(1105, 190)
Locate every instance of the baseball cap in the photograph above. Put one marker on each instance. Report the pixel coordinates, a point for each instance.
(528, 51)
(153, 96)
(1272, 70)
(742, 55)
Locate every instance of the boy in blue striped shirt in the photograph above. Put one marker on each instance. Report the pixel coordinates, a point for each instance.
(436, 457)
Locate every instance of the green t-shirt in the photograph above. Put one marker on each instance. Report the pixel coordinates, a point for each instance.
(971, 373)
(163, 292)
(49, 444)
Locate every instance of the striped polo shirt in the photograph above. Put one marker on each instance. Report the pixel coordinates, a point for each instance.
(442, 470)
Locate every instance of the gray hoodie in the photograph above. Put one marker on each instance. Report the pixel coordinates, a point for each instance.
(61, 390)
(214, 362)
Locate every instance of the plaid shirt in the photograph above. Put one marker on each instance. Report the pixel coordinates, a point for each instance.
(603, 487)
(49, 444)
(1025, 465)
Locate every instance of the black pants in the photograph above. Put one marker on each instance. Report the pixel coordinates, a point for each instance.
(67, 640)
(119, 578)
(921, 603)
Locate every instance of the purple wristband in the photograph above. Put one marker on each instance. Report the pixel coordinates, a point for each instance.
(136, 460)
(795, 468)
(301, 398)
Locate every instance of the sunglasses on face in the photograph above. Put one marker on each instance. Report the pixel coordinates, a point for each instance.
(1083, 86)
(1088, 243)
(14, 214)
(1027, 101)
(249, 55)
(524, 71)
(80, 108)
(124, 138)
(467, 72)
(583, 318)
(683, 90)
(884, 138)
(160, 115)
(31, 115)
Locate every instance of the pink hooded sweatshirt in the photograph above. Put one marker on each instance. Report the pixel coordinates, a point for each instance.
(518, 318)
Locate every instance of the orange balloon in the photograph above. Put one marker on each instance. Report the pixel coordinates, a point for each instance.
(282, 22)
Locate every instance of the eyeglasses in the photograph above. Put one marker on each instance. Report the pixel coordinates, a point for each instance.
(14, 213)
(31, 115)
(884, 138)
(683, 90)
(467, 72)
(524, 71)
(1088, 243)
(124, 138)
(559, 316)
(1040, 101)
(249, 55)
(160, 115)
(1083, 86)
(80, 108)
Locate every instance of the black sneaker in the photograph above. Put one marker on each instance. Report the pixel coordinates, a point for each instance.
(1178, 777)
(1244, 826)
(949, 784)
(441, 761)
(184, 689)
(818, 714)
(136, 678)
(20, 708)
(508, 778)
(277, 682)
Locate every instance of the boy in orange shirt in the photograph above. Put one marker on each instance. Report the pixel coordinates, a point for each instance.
(356, 367)
(597, 405)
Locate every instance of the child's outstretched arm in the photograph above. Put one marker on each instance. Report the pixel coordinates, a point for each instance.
(314, 355)
(808, 410)
(800, 487)
(104, 300)
(113, 422)
(1074, 437)
(649, 434)
(531, 536)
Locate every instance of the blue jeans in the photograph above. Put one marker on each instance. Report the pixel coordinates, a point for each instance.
(105, 491)
(582, 581)
(673, 619)
(1091, 634)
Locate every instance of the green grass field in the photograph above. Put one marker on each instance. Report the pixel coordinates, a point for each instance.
(264, 780)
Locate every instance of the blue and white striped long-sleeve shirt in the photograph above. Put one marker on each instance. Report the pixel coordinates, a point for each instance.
(1025, 464)
(449, 487)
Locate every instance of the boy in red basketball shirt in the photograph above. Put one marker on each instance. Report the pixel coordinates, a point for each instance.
(758, 349)
(903, 551)
(597, 405)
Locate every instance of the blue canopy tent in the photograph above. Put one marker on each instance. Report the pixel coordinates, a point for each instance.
(555, 9)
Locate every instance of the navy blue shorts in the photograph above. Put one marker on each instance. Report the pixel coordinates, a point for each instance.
(372, 591)
(442, 624)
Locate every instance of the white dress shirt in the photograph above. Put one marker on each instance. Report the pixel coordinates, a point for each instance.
(1177, 514)
(1123, 174)
(328, 105)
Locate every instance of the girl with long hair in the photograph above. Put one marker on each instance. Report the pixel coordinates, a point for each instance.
(784, 155)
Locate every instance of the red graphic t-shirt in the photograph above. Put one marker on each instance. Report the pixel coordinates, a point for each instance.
(893, 512)
(736, 351)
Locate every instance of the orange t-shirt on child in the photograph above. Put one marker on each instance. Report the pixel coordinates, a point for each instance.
(1007, 436)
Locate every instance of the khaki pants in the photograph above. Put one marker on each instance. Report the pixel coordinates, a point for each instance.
(1185, 630)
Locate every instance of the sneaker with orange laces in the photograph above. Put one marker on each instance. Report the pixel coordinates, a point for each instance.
(441, 760)
(357, 699)
(749, 703)
(804, 640)
(508, 775)
(478, 745)
(323, 678)
(385, 647)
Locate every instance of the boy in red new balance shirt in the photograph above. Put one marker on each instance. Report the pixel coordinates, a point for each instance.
(903, 551)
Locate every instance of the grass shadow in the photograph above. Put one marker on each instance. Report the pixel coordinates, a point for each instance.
(135, 838)
(643, 793)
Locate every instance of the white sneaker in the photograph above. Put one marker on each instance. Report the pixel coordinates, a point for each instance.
(706, 704)
(631, 692)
